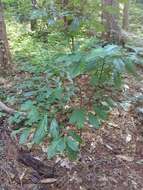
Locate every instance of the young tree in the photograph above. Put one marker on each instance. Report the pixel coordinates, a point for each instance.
(110, 20)
(126, 16)
(34, 21)
(4, 47)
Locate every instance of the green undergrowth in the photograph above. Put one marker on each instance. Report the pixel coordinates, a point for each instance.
(49, 88)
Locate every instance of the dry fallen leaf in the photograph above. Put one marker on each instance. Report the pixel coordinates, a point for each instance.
(128, 138)
(48, 180)
(139, 161)
(126, 158)
(22, 175)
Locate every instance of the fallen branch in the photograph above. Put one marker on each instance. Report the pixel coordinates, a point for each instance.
(9, 110)
(28, 160)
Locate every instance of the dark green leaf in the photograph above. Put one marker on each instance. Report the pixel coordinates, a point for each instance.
(93, 121)
(74, 135)
(78, 117)
(33, 116)
(61, 145)
(51, 151)
(24, 136)
(101, 113)
(41, 130)
(72, 144)
(72, 155)
(27, 105)
(54, 129)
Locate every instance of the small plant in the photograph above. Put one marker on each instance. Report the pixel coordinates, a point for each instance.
(48, 99)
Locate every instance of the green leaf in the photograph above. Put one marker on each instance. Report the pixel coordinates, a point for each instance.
(27, 105)
(130, 67)
(58, 93)
(93, 121)
(72, 144)
(119, 64)
(16, 118)
(101, 113)
(95, 54)
(51, 151)
(111, 49)
(74, 135)
(24, 136)
(58, 145)
(41, 131)
(72, 155)
(117, 80)
(33, 116)
(78, 117)
(54, 129)
(61, 145)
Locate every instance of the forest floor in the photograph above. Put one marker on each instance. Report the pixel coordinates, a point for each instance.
(111, 158)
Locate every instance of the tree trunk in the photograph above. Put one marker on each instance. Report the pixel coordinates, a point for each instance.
(126, 16)
(34, 21)
(110, 21)
(64, 4)
(4, 47)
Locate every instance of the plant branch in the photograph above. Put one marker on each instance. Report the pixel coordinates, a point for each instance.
(9, 110)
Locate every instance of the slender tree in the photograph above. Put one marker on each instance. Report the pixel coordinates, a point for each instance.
(34, 21)
(64, 4)
(110, 20)
(126, 16)
(4, 47)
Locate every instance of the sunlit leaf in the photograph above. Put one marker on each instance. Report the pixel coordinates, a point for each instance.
(41, 130)
(24, 136)
(54, 129)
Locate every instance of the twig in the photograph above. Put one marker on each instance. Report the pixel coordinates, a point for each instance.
(9, 110)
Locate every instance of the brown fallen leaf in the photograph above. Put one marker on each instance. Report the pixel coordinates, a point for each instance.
(126, 158)
(48, 180)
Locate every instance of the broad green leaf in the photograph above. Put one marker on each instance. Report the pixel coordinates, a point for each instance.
(117, 80)
(78, 117)
(95, 54)
(58, 145)
(72, 144)
(51, 151)
(130, 67)
(28, 105)
(72, 155)
(41, 130)
(54, 129)
(16, 118)
(33, 116)
(119, 65)
(75, 136)
(24, 136)
(61, 145)
(111, 49)
(101, 113)
(93, 121)
(58, 93)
